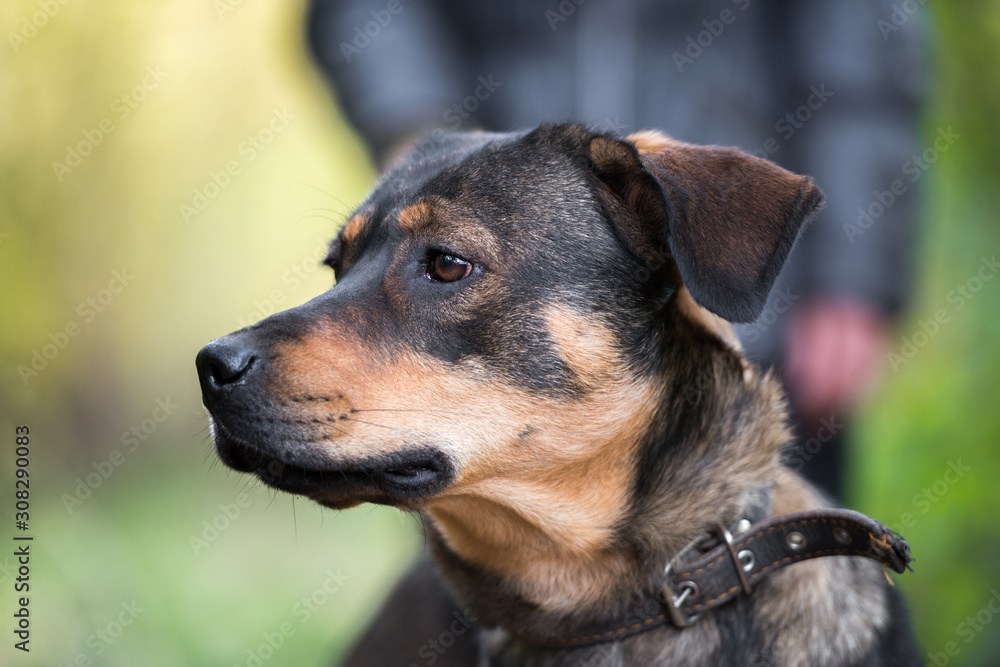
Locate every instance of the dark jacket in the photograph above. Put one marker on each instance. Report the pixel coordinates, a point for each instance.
(830, 89)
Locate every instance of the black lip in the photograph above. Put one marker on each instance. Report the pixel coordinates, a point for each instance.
(415, 472)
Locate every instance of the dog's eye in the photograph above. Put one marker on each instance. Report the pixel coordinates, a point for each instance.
(333, 256)
(447, 268)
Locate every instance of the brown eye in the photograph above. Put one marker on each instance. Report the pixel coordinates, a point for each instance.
(447, 268)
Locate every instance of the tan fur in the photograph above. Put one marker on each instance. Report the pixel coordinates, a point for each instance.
(451, 222)
(353, 228)
(648, 142)
(542, 512)
(587, 346)
(711, 322)
(394, 402)
(540, 481)
(793, 494)
(415, 217)
(667, 150)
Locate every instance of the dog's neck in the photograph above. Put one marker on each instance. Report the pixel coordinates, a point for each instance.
(562, 555)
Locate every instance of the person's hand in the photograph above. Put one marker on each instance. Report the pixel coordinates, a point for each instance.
(835, 355)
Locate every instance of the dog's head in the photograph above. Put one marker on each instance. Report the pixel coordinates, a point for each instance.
(502, 321)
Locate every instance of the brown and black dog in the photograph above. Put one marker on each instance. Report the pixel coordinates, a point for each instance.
(510, 349)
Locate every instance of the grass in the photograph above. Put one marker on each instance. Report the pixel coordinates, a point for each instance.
(273, 572)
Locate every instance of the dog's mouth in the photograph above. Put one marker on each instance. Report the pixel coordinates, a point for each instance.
(400, 478)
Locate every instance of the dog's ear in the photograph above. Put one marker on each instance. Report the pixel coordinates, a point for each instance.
(729, 219)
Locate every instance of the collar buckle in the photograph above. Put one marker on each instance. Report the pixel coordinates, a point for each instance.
(675, 601)
(743, 561)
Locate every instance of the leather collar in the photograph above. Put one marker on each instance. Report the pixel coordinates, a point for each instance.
(733, 564)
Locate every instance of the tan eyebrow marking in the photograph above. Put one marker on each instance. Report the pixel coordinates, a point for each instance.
(415, 216)
(353, 227)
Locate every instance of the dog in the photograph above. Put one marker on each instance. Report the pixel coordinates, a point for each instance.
(529, 343)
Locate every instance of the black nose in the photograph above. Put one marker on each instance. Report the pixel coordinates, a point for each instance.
(224, 362)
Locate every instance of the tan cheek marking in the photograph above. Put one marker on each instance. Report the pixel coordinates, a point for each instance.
(396, 400)
(415, 217)
(353, 228)
(543, 509)
(387, 402)
(524, 499)
(588, 347)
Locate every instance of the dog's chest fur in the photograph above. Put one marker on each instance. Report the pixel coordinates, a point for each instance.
(832, 611)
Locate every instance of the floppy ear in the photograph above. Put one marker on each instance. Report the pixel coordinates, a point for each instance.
(728, 218)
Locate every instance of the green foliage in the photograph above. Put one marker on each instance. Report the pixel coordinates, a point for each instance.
(940, 407)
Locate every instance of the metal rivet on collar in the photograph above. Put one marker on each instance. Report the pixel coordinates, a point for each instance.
(795, 541)
(743, 526)
(690, 589)
(746, 559)
(841, 535)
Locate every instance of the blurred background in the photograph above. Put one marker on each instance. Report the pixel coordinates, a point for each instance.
(171, 171)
